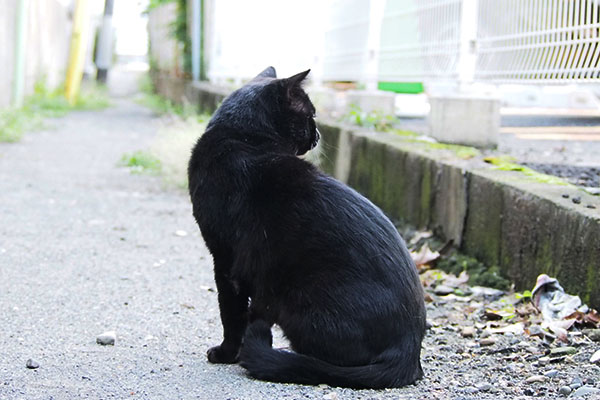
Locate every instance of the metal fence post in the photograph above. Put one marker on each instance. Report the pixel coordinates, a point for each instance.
(196, 39)
(373, 43)
(467, 57)
(104, 49)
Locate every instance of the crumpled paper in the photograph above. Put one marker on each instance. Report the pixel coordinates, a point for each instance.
(552, 301)
(555, 305)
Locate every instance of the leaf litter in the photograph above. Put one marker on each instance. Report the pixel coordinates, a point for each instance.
(519, 335)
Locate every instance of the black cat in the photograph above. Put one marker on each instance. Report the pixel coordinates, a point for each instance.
(295, 247)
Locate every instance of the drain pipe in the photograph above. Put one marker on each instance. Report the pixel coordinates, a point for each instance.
(77, 51)
(105, 39)
(196, 39)
(21, 38)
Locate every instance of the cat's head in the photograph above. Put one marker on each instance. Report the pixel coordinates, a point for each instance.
(270, 106)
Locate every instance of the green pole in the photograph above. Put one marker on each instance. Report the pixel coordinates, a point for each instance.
(19, 72)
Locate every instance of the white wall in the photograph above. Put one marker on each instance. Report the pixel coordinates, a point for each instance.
(244, 37)
(47, 44)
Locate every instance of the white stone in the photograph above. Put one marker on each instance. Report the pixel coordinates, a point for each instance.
(465, 119)
(107, 338)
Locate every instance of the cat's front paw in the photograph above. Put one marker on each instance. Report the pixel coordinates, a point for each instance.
(223, 355)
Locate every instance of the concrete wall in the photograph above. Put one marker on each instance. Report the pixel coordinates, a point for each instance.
(165, 54)
(504, 218)
(48, 30)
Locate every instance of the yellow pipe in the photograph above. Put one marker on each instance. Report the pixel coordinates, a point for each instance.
(77, 51)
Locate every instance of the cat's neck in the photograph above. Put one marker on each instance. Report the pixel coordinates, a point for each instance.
(252, 141)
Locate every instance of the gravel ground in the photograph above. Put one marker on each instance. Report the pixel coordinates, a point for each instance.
(86, 247)
(581, 176)
(570, 157)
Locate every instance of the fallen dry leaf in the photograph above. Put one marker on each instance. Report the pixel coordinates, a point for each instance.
(591, 319)
(516, 329)
(420, 235)
(424, 256)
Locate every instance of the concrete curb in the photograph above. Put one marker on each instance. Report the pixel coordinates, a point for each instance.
(503, 218)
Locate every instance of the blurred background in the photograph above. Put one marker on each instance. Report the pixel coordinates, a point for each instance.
(493, 70)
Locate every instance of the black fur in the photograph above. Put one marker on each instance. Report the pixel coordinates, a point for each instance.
(295, 247)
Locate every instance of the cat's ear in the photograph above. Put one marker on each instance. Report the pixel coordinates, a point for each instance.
(291, 86)
(269, 72)
(296, 80)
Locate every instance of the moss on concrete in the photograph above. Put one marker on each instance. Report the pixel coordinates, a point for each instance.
(508, 164)
(483, 223)
(395, 181)
(426, 193)
(462, 152)
(449, 206)
(479, 273)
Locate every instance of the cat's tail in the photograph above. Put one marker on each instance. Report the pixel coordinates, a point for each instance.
(268, 364)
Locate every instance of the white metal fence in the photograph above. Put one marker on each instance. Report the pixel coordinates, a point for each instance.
(498, 41)
(420, 40)
(538, 40)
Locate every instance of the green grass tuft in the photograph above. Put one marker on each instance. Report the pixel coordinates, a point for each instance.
(92, 97)
(375, 120)
(45, 103)
(464, 152)
(141, 162)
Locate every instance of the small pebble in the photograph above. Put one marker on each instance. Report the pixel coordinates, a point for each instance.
(595, 357)
(467, 331)
(592, 190)
(443, 290)
(591, 206)
(470, 390)
(565, 195)
(576, 200)
(551, 374)
(543, 360)
(488, 341)
(331, 396)
(180, 233)
(565, 390)
(32, 364)
(484, 387)
(536, 378)
(582, 391)
(576, 383)
(592, 334)
(562, 351)
(107, 338)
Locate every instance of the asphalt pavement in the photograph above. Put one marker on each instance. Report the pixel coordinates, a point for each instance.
(87, 247)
